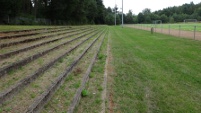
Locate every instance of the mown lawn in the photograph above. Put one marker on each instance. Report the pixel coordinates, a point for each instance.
(155, 73)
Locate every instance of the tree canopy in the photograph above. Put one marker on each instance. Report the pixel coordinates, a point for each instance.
(87, 12)
(68, 11)
(171, 14)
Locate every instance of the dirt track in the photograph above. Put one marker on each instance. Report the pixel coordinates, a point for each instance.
(173, 32)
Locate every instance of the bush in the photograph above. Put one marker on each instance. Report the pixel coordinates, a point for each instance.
(85, 93)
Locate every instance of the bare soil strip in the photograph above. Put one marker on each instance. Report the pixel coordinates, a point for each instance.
(110, 71)
(104, 93)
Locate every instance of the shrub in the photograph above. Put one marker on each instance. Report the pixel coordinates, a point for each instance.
(85, 93)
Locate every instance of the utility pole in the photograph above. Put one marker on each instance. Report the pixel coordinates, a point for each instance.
(122, 15)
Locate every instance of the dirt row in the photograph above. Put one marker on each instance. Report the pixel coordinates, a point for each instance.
(39, 49)
(26, 46)
(10, 34)
(6, 66)
(28, 88)
(49, 34)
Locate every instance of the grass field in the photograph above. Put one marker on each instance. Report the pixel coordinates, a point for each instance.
(183, 26)
(154, 73)
(146, 73)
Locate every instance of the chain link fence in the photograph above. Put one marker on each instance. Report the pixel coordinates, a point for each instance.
(192, 31)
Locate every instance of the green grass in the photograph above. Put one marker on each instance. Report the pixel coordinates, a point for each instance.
(155, 73)
(183, 26)
(19, 27)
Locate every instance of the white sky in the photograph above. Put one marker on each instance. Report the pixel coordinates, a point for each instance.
(138, 5)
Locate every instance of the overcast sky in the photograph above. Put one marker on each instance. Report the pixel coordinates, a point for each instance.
(138, 5)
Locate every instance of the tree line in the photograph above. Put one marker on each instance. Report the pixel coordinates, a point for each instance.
(87, 12)
(63, 11)
(167, 15)
(170, 14)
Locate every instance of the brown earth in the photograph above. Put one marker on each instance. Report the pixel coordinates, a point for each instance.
(110, 73)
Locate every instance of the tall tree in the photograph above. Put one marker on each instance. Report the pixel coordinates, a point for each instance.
(140, 18)
(100, 18)
(129, 17)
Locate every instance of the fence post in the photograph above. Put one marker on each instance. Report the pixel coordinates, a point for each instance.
(155, 28)
(194, 31)
(169, 29)
(152, 30)
(179, 30)
(161, 28)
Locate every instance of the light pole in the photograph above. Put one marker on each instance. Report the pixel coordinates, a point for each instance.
(122, 15)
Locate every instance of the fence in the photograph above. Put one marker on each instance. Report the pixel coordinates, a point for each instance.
(192, 31)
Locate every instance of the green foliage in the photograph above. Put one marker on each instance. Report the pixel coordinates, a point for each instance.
(100, 88)
(33, 95)
(58, 11)
(171, 14)
(129, 17)
(8, 109)
(141, 18)
(11, 72)
(91, 75)
(86, 12)
(171, 20)
(98, 101)
(101, 56)
(109, 19)
(164, 18)
(76, 85)
(85, 93)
